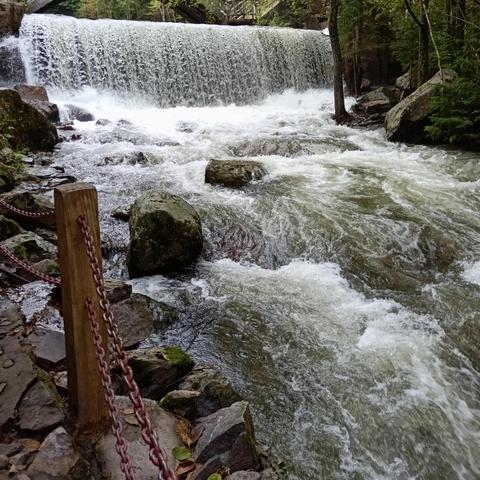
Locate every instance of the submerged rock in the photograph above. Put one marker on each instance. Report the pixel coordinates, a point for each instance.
(438, 250)
(284, 147)
(129, 158)
(79, 113)
(12, 69)
(165, 234)
(233, 173)
(28, 128)
(156, 369)
(37, 96)
(406, 121)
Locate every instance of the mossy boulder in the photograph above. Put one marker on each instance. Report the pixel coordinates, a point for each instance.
(9, 228)
(233, 173)
(31, 247)
(165, 234)
(24, 126)
(156, 370)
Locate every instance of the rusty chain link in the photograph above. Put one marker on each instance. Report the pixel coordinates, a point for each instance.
(28, 268)
(24, 213)
(103, 368)
(157, 455)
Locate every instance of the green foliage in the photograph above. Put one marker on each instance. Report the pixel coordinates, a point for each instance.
(456, 114)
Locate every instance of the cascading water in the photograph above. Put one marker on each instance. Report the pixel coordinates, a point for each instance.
(174, 64)
(339, 294)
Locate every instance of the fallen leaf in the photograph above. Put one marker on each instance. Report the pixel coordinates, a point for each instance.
(128, 411)
(181, 453)
(185, 467)
(131, 419)
(183, 429)
(196, 434)
(214, 476)
(30, 444)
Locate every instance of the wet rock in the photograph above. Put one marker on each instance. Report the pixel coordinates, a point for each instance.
(31, 247)
(284, 147)
(233, 173)
(228, 434)
(157, 369)
(406, 121)
(28, 127)
(58, 459)
(37, 97)
(134, 318)
(79, 113)
(39, 410)
(10, 316)
(215, 391)
(181, 402)
(378, 101)
(17, 377)
(102, 122)
(382, 273)
(438, 250)
(48, 266)
(165, 234)
(9, 449)
(32, 202)
(9, 228)
(11, 14)
(12, 69)
(164, 423)
(128, 158)
(243, 475)
(48, 347)
(122, 213)
(117, 290)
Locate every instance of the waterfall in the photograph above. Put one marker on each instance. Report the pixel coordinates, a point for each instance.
(173, 64)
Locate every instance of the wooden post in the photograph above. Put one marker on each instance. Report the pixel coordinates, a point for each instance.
(87, 405)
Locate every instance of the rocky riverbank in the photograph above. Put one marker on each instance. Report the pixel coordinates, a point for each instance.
(204, 425)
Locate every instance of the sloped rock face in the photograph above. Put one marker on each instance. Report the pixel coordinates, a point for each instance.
(233, 173)
(228, 434)
(406, 121)
(378, 101)
(26, 126)
(11, 14)
(165, 233)
(37, 97)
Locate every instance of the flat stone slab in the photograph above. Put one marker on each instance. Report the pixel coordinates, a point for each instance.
(10, 316)
(164, 424)
(39, 410)
(48, 347)
(58, 459)
(117, 290)
(16, 375)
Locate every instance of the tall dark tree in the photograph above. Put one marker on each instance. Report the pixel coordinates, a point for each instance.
(341, 115)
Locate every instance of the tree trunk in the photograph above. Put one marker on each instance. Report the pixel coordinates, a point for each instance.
(341, 114)
(423, 45)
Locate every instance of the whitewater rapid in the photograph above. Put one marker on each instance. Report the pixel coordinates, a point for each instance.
(352, 373)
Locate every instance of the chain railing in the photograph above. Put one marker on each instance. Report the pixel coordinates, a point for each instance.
(25, 213)
(157, 455)
(149, 436)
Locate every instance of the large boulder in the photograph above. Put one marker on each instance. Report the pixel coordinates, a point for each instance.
(165, 234)
(228, 436)
(378, 101)
(406, 121)
(11, 14)
(233, 173)
(37, 96)
(25, 125)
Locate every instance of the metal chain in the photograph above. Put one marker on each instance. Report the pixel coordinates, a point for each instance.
(120, 444)
(26, 267)
(157, 456)
(25, 213)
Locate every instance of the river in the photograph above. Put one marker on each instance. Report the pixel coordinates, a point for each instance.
(339, 294)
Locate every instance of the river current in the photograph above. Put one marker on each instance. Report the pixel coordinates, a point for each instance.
(339, 294)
